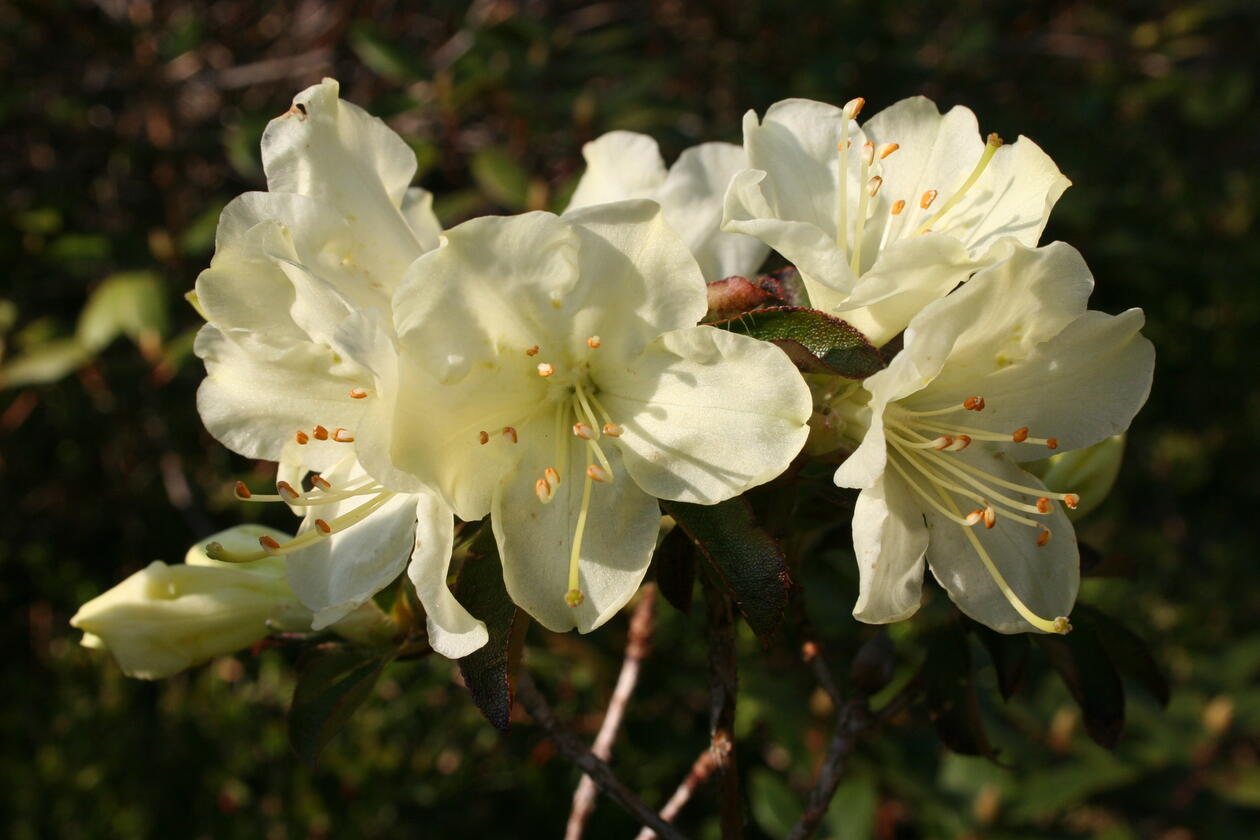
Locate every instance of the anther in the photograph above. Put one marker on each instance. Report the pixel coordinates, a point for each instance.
(1062, 626)
(994, 140)
(974, 403)
(613, 429)
(927, 198)
(1043, 537)
(552, 476)
(942, 442)
(542, 490)
(584, 431)
(324, 527)
(574, 597)
(853, 107)
(286, 490)
(1071, 500)
(509, 433)
(1043, 505)
(357, 393)
(873, 185)
(545, 369)
(1020, 435)
(269, 544)
(533, 351)
(342, 436)
(597, 473)
(320, 433)
(300, 437)
(868, 153)
(960, 443)
(975, 516)
(898, 206)
(484, 437)
(593, 342)
(242, 492)
(990, 517)
(887, 149)
(1052, 443)
(321, 482)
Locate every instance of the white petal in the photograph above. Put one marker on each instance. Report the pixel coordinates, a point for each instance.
(453, 632)
(692, 198)
(889, 540)
(865, 467)
(1045, 578)
(707, 413)
(339, 154)
(344, 570)
(619, 165)
(255, 398)
(417, 209)
(535, 539)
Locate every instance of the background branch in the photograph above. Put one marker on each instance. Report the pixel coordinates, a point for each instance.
(723, 687)
(701, 770)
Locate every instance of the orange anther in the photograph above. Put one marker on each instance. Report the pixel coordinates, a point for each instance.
(484, 437)
(1043, 537)
(533, 351)
(1052, 443)
(1020, 435)
(342, 436)
(357, 393)
(509, 433)
(323, 526)
(286, 490)
(1071, 500)
(242, 492)
(301, 437)
(268, 543)
(925, 201)
(321, 482)
(898, 206)
(320, 433)
(1043, 505)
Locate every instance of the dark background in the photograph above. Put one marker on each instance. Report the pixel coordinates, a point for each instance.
(127, 125)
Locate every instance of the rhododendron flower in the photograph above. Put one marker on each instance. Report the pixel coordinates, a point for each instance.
(622, 165)
(1003, 370)
(549, 372)
(882, 219)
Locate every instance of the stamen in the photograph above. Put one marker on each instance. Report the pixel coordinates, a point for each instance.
(542, 490)
(1043, 505)
(287, 491)
(613, 429)
(925, 201)
(545, 369)
(990, 147)
(597, 473)
(268, 543)
(323, 526)
(484, 437)
(320, 433)
(943, 442)
(974, 403)
(300, 437)
(357, 393)
(898, 206)
(990, 517)
(853, 107)
(960, 443)
(593, 342)
(509, 433)
(887, 149)
(1071, 500)
(584, 431)
(953, 517)
(868, 155)
(552, 476)
(533, 351)
(242, 492)
(573, 597)
(975, 516)
(342, 436)
(873, 185)
(1043, 537)
(1052, 443)
(321, 482)
(1020, 435)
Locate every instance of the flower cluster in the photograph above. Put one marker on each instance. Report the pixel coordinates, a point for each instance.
(557, 373)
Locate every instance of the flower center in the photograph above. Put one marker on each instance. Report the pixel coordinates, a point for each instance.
(921, 447)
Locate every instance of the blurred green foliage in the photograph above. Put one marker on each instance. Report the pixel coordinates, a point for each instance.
(127, 124)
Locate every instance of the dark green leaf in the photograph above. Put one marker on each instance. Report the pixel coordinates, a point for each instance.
(1090, 675)
(1131, 655)
(1009, 654)
(950, 687)
(815, 341)
(331, 686)
(744, 558)
(675, 564)
(488, 672)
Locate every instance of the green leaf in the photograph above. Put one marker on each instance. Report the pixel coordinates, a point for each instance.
(44, 363)
(1091, 677)
(1131, 655)
(815, 341)
(774, 806)
(851, 815)
(488, 671)
(675, 566)
(331, 686)
(1009, 653)
(950, 687)
(501, 178)
(743, 556)
(124, 304)
(384, 57)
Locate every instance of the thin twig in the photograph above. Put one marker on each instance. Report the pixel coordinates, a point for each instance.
(723, 688)
(700, 772)
(572, 748)
(637, 643)
(851, 721)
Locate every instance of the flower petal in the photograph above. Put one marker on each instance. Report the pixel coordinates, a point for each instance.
(417, 209)
(337, 153)
(692, 198)
(535, 539)
(889, 540)
(619, 165)
(1045, 578)
(453, 632)
(707, 414)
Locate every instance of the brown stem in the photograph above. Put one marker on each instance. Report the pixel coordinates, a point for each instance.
(640, 637)
(851, 721)
(701, 770)
(723, 687)
(572, 748)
